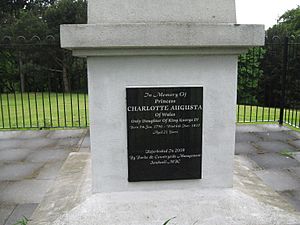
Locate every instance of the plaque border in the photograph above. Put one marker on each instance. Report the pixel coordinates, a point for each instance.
(127, 137)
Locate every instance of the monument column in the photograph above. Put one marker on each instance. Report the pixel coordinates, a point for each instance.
(162, 91)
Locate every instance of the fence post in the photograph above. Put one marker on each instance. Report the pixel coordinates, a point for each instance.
(283, 78)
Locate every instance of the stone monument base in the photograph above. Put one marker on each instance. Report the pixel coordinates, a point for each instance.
(249, 202)
(186, 207)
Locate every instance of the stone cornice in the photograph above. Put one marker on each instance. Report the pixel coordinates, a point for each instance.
(160, 38)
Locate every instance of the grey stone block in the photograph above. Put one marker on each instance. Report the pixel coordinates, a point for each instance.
(86, 143)
(275, 136)
(244, 148)
(274, 146)
(84, 150)
(5, 211)
(296, 143)
(14, 154)
(44, 156)
(10, 144)
(295, 171)
(34, 143)
(249, 128)
(30, 134)
(3, 185)
(273, 127)
(69, 189)
(246, 137)
(86, 36)
(293, 196)
(279, 180)
(49, 171)
(296, 155)
(39, 143)
(21, 211)
(68, 142)
(274, 161)
(25, 191)
(19, 171)
(72, 133)
(294, 133)
(9, 134)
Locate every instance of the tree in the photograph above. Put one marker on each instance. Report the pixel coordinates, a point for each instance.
(10, 8)
(249, 75)
(288, 26)
(24, 19)
(23, 28)
(260, 74)
(290, 21)
(65, 12)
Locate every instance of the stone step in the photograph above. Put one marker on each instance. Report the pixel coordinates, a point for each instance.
(71, 187)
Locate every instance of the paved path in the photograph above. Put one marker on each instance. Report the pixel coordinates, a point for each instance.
(29, 163)
(275, 152)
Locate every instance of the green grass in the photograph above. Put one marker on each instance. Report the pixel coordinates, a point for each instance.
(43, 110)
(246, 114)
(287, 153)
(23, 221)
(58, 110)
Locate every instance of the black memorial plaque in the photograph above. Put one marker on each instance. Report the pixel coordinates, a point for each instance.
(164, 131)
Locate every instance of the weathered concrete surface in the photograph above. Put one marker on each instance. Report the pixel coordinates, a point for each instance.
(72, 186)
(279, 180)
(205, 207)
(249, 202)
(204, 11)
(275, 156)
(160, 35)
(5, 211)
(109, 131)
(29, 163)
(20, 212)
(249, 188)
(246, 181)
(25, 191)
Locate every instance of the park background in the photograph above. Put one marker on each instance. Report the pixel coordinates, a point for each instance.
(44, 86)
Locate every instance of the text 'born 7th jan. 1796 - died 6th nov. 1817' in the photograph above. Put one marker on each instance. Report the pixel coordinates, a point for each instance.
(164, 132)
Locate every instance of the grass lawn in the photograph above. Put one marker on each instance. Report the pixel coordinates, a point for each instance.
(43, 110)
(53, 110)
(247, 113)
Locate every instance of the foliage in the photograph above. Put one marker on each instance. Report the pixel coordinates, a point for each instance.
(28, 61)
(8, 72)
(22, 221)
(10, 7)
(287, 153)
(262, 70)
(65, 12)
(27, 25)
(249, 75)
(288, 26)
(290, 20)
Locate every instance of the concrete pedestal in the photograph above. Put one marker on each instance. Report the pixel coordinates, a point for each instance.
(160, 44)
(217, 74)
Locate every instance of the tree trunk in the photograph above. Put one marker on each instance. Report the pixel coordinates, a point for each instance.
(65, 74)
(22, 78)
